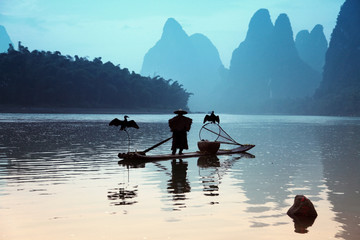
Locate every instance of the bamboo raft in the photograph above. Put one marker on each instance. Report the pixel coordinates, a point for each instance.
(206, 148)
(142, 157)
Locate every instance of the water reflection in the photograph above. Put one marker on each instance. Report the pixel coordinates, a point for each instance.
(44, 165)
(341, 160)
(210, 173)
(38, 149)
(284, 168)
(122, 196)
(178, 185)
(208, 177)
(301, 224)
(132, 164)
(208, 162)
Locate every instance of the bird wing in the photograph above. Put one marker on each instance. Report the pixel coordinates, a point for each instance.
(115, 122)
(217, 119)
(133, 124)
(206, 118)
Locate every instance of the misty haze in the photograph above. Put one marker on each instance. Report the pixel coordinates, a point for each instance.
(179, 119)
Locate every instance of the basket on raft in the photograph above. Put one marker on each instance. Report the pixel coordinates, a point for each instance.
(208, 146)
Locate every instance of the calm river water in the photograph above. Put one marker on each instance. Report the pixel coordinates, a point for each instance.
(60, 179)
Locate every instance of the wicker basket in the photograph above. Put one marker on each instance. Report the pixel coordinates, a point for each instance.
(208, 147)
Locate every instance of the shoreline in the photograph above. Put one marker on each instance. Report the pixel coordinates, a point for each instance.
(82, 110)
(63, 110)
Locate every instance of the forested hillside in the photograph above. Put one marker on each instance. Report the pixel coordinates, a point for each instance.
(50, 80)
(339, 91)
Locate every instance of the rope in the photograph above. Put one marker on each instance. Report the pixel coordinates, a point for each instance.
(227, 137)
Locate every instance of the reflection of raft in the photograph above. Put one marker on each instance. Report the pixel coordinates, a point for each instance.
(139, 156)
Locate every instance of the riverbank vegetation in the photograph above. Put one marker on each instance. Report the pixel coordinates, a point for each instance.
(41, 79)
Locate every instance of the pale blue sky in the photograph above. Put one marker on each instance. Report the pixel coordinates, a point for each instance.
(122, 31)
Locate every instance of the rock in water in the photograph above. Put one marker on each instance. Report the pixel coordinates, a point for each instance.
(302, 207)
(303, 213)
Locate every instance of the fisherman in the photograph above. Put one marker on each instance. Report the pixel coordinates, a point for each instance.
(179, 125)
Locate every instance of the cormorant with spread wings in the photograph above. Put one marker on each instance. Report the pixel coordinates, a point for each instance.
(123, 124)
(212, 118)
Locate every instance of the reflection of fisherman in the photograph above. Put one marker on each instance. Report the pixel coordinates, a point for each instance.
(179, 125)
(178, 182)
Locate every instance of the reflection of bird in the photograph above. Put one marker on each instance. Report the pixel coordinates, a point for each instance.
(212, 118)
(123, 124)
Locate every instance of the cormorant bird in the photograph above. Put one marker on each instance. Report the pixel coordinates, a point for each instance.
(123, 124)
(212, 118)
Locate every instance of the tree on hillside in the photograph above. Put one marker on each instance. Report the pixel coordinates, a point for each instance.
(49, 79)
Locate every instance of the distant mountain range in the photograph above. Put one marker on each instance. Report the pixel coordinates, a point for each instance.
(4, 39)
(269, 71)
(191, 60)
(266, 65)
(312, 47)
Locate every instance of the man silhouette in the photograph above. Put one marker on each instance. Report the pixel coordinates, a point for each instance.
(179, 125)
